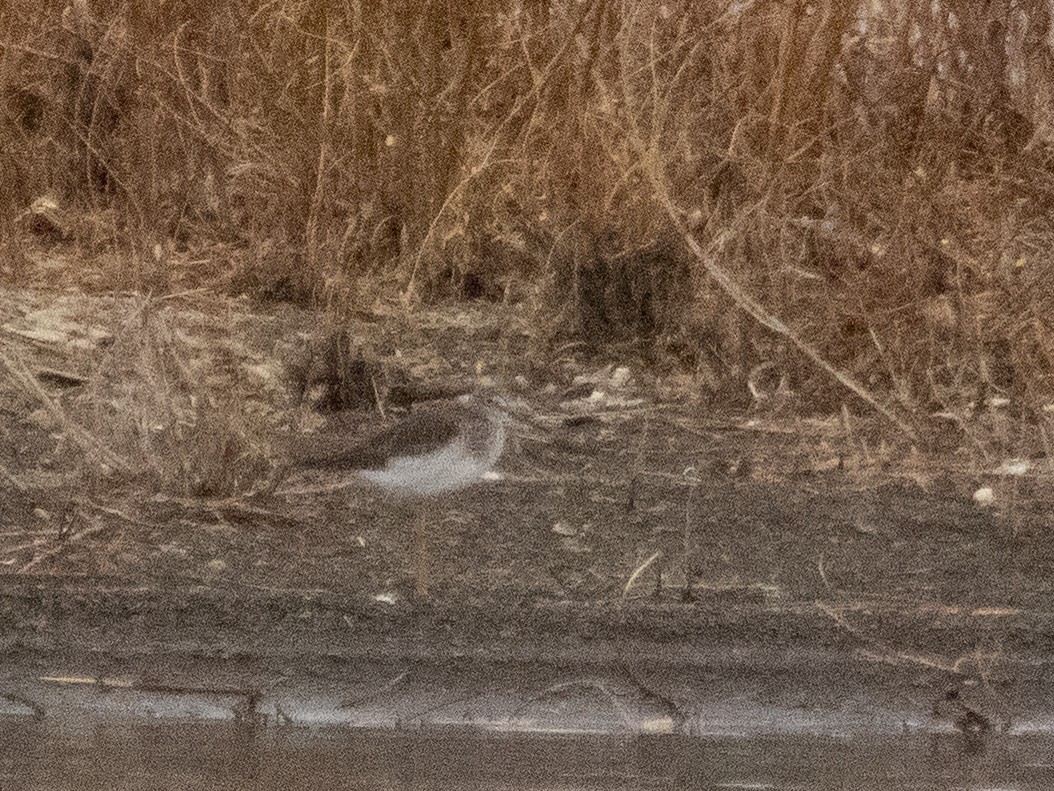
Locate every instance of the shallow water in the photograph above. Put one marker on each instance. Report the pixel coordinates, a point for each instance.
(38, 755)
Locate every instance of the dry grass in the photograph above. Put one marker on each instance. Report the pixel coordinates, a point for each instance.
(177, 398)
(871, 182)
(160, 399)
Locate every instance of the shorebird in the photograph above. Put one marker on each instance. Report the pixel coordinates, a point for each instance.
(440, 447)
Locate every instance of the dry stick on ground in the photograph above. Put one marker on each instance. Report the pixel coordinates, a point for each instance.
(638, 571)
(77, 537)
(91, 446)
(80, 535)
(884, 652)
(603, 685)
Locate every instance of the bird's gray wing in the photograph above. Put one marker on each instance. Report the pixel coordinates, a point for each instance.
(423, 430)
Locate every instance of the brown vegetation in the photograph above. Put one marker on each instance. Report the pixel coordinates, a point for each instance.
(871, 181)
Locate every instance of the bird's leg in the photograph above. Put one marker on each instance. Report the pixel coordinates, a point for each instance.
(421, 554)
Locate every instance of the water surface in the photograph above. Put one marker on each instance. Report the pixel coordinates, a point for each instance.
(35, 756)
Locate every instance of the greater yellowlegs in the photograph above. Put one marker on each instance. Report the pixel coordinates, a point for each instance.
(439, 447)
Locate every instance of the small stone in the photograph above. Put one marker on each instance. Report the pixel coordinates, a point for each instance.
(984, 496)
(563, 529)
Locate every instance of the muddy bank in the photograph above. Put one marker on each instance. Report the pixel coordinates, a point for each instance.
(149, 518)
(102, 652)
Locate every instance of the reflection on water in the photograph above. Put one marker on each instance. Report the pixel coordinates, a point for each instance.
(40, 756)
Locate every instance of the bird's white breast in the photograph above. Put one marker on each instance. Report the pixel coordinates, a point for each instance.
(446, 469)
